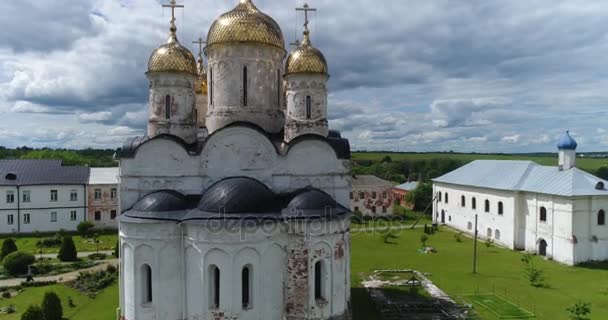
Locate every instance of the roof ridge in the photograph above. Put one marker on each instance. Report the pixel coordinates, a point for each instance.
(525, 175)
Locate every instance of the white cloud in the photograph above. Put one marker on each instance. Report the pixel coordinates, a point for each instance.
(512, 139)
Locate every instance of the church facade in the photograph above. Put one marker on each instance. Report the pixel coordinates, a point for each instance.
(235, 203)
(557, 212)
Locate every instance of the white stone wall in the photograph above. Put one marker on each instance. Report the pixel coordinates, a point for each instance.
(264, 86)
(201, 101)
(571, 230)
(182, 122)
(280, 255)
(232, 152)
(40, 208)
(300, 86)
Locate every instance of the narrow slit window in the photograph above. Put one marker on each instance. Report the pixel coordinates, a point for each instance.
(215, 282)
(211, 85)
(500, 208)
(244, 86)
(147, 284)
(246, 287)
(601, 218)
(168, 107)
(279, 87)
(318, 280)
(308, 107)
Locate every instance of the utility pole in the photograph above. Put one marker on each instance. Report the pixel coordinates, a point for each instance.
(475, 248)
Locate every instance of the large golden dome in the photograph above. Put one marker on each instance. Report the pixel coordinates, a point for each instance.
(306, 59)
(245, 23)
(201, 81)
(172, 57)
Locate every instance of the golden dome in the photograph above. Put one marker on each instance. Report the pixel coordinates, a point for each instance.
(245, 23)
(306, 59)
(172, 57)
(201, 81)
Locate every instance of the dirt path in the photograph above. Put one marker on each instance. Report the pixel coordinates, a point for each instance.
(64, 277)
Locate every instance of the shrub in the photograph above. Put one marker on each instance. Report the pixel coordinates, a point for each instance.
(92, 282)
(97, 256)
(51, 307)
(35, 284)
(534, 275)
(579, 311)
(8, 247)
(33, 313)
(67, 252)
(16, 263)
(111, 268)
(423, 239)
(6, 295)
(85, 227)
(489, 243)
(458, 237)
(50, 242)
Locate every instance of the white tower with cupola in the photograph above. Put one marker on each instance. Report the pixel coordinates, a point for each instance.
(172, 72)
(306, 75)
(567, 152)
(245, 51)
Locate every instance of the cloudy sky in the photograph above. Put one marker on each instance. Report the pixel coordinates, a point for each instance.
(406, 75)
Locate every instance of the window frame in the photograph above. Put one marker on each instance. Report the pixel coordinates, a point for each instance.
(97, 216)
(113, 214)
(474, 203)
(10, 219)
(168, 104)
(54, 195)
(501, 208)
(319, 285)
(247, 287)
(73, 195)
(463, 201)
(486, 206)
(54, 217)
(308, 102)
(147, 285)
(26, 196)
(27, 218)
(113, 193)
(542, 216)
(10, 196)
(73, 215)
(601, 217)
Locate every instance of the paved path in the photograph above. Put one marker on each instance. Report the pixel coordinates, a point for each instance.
(65, 277)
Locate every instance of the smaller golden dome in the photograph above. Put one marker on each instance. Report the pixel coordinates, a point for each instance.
(172, 57)
(306, 59)
(245, 23)
(201, 81)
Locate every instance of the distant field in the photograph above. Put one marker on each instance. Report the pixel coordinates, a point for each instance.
(588, 164)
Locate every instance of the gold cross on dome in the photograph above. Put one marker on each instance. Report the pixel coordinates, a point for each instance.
(306, 9)
(200, 43)
(295, 43)
(173, 5)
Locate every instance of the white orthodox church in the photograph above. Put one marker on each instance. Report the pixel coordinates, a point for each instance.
(558, 212)
(235, 203)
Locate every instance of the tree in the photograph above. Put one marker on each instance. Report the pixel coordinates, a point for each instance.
(533, 274)
(67, 252)
(84, 228)
(51, 306)
(33, 312)
(421, 197)
(17, 262)
(579, 311)
(386, 159)
(8, 247)
(602, 172)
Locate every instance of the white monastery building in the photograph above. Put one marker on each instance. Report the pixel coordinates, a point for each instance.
(102, 202)
(41, 195)
(558, 212)
(372, 196)
(235, 204)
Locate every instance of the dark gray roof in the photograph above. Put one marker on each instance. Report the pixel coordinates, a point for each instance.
(236, 198)
(24, 172)
(238, 195)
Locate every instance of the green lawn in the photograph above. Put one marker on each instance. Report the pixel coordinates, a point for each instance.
(28, 243)
(588, 164)
(501, 307)
(103, 307)
(500, 271)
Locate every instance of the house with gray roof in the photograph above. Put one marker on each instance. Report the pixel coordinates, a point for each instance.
(371, 196)
(41, 195)
(555, 211)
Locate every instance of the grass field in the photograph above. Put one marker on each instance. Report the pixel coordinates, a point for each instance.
(500, 271)
(501, 307)
(28, 243)
(588, 164)
(103, 307)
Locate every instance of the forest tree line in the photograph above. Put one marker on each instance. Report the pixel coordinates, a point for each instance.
(85, 157)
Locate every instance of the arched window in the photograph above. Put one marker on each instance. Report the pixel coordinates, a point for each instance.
(319, 280)
(497, 234)
(245, 86)
(246, 287)
(308, 107)
(489, 233)
(601, 218)
(470, 225)
(168, 107)
(446, 197)
(474, 203)
(439, 196)
(211, 85)
(463, 201)
(543, 214)
(500, 208)
(487, 206)
(214, 273)
(146, 277)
